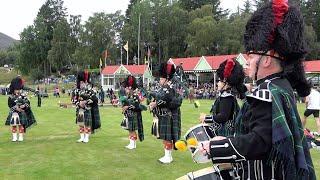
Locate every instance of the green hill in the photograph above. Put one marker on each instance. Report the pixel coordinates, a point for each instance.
(6, 76)
(6, 41)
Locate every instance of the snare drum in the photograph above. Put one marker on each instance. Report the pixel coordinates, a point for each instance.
(201, 132)
(219, 172)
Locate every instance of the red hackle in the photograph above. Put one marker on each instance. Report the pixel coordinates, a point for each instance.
(130, 81)
(169, 68)
(279, 8)
(228, 68)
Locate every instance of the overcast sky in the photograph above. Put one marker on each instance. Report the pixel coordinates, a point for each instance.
(18, 14)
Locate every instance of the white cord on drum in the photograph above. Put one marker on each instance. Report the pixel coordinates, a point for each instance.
(216, 168)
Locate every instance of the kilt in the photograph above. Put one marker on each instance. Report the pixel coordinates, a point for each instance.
(86, 119)
(133, 122)
(169, 126)
(23, 119)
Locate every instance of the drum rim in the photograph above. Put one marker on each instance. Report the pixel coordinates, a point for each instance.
(194, 127)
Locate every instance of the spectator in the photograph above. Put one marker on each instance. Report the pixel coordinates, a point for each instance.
(57, 92)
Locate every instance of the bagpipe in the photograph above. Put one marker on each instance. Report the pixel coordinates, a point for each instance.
(177, 83)
(85, 95)
(180, 81)
(132, 102)
(22, 99)
(20, 102)
(79, 96)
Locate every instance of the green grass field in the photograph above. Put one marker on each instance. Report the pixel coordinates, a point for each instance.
(50, 150)
(6, 76)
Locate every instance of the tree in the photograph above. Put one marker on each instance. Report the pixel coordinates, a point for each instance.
(169, 33)
(129, 9)
(143, 10)
(58, 55)
(37, 38)
(311, 12)
(202, 36)
(9, 56)
(75, 30)
(217, 11)
(247, 7)
(190, 5)
(98, 35)
(28, 51)
(260, 3)
(313, 44)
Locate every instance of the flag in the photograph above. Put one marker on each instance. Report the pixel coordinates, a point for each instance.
(100, 63)
(126, 47)
(145, 60)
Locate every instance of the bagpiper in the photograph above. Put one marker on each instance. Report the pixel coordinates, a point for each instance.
(20, 116)
(87, 109)
(225, 109)
(272, 144)
(166, 107)
(131, 109)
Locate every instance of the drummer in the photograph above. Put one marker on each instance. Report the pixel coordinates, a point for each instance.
(225, 108)
(274, 147)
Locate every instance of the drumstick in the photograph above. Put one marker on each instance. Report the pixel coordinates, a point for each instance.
(205, 150)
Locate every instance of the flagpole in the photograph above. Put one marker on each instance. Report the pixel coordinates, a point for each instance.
(148, 55)
(139, 39)
(128, 56)
(121, 54)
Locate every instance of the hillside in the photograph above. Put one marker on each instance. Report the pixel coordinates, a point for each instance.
(6, 41)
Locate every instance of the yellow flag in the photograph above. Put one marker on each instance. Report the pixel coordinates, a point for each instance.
(100, 62)
(145, 60)
(126, 47)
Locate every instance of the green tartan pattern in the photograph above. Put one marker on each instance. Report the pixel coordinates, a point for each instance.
(133, 123)
(289, 148)
(27, 119)
(22, 116)
(169, 127)
(31, 119)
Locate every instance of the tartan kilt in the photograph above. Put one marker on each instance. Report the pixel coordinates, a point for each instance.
(176, 116)
(31, 119)
(168, 126)
(133, 123)
(86, 120)
(22, 116)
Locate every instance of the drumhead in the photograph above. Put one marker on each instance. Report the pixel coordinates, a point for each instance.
(195, 127)
(198, 157)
